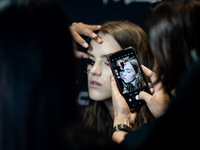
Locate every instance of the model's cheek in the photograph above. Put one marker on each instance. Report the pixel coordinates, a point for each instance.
(129, 77)
(106, 79)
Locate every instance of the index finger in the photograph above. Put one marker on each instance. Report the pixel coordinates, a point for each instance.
(89, 32)
(86, 30)
(149, 73)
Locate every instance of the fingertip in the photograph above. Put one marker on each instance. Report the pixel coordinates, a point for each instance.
(140, 96)
(143, 67)
(99, 40)
(152, 90)
(111, 78)
(85, 45)
(80, 54)
(113, 83)
(85, 56)
(98, 26)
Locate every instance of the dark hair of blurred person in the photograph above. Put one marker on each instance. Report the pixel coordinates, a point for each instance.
(174, 38)
(37, 77)
(37, 82)
(173, 56)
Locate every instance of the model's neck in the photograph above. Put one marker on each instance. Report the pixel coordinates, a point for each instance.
(109, 105)
(133, 82)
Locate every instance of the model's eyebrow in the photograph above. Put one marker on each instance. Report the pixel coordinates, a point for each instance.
(102, 56)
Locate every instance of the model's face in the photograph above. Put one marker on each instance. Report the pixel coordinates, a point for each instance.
(100, 72)
(129, 73)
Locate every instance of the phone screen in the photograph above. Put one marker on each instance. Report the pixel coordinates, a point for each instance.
(129, 77)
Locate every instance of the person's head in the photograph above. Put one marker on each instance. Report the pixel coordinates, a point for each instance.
(35, 101)
(131, 70)
(116, 35)
(173, 33)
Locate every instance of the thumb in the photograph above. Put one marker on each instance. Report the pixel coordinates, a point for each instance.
(79, 54)
(144, 96)
(114, 88)
(117, 98)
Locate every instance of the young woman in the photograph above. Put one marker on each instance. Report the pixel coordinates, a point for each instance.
(116, 36)
(132, 76)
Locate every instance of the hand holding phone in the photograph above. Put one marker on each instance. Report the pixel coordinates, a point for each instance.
(129, 76)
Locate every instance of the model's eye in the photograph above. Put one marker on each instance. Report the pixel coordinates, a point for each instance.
(90, 64)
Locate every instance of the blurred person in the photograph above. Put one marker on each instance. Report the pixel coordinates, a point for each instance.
(35, 101)
(116, 35)
(37, 93)
(177, 70)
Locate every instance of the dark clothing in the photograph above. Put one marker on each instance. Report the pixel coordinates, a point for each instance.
(179, 125)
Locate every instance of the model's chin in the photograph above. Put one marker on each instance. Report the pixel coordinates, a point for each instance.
(127, 81)
(98, 95)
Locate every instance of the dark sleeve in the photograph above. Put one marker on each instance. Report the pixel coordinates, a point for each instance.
(177, 127)
(136, 139)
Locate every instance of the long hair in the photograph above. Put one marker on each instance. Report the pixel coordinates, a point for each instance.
(171, 40)
(139, 81)
(35, 101)
(96, 115)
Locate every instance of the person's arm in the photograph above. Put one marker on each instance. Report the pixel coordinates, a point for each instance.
(157, 104)
(122, 114)
(78, 29)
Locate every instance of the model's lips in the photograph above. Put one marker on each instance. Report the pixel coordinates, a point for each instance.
(95, 84)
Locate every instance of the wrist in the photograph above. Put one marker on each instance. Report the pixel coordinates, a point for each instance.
(121, 119)
(122, 127)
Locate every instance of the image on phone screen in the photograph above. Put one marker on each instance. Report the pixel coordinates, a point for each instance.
(130, 79)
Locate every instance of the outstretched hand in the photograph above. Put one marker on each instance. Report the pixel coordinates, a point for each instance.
(159, 101)
(78, 29)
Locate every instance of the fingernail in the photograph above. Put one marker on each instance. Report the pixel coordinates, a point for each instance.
(99, 40)
(111, 78)
(85, 56)
(85, 45)
(99, 26)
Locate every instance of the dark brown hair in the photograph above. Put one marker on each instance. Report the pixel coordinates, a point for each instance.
(171, 40)
(127, 34)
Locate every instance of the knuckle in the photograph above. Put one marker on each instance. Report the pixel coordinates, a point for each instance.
(80, 23)
(74, 24)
